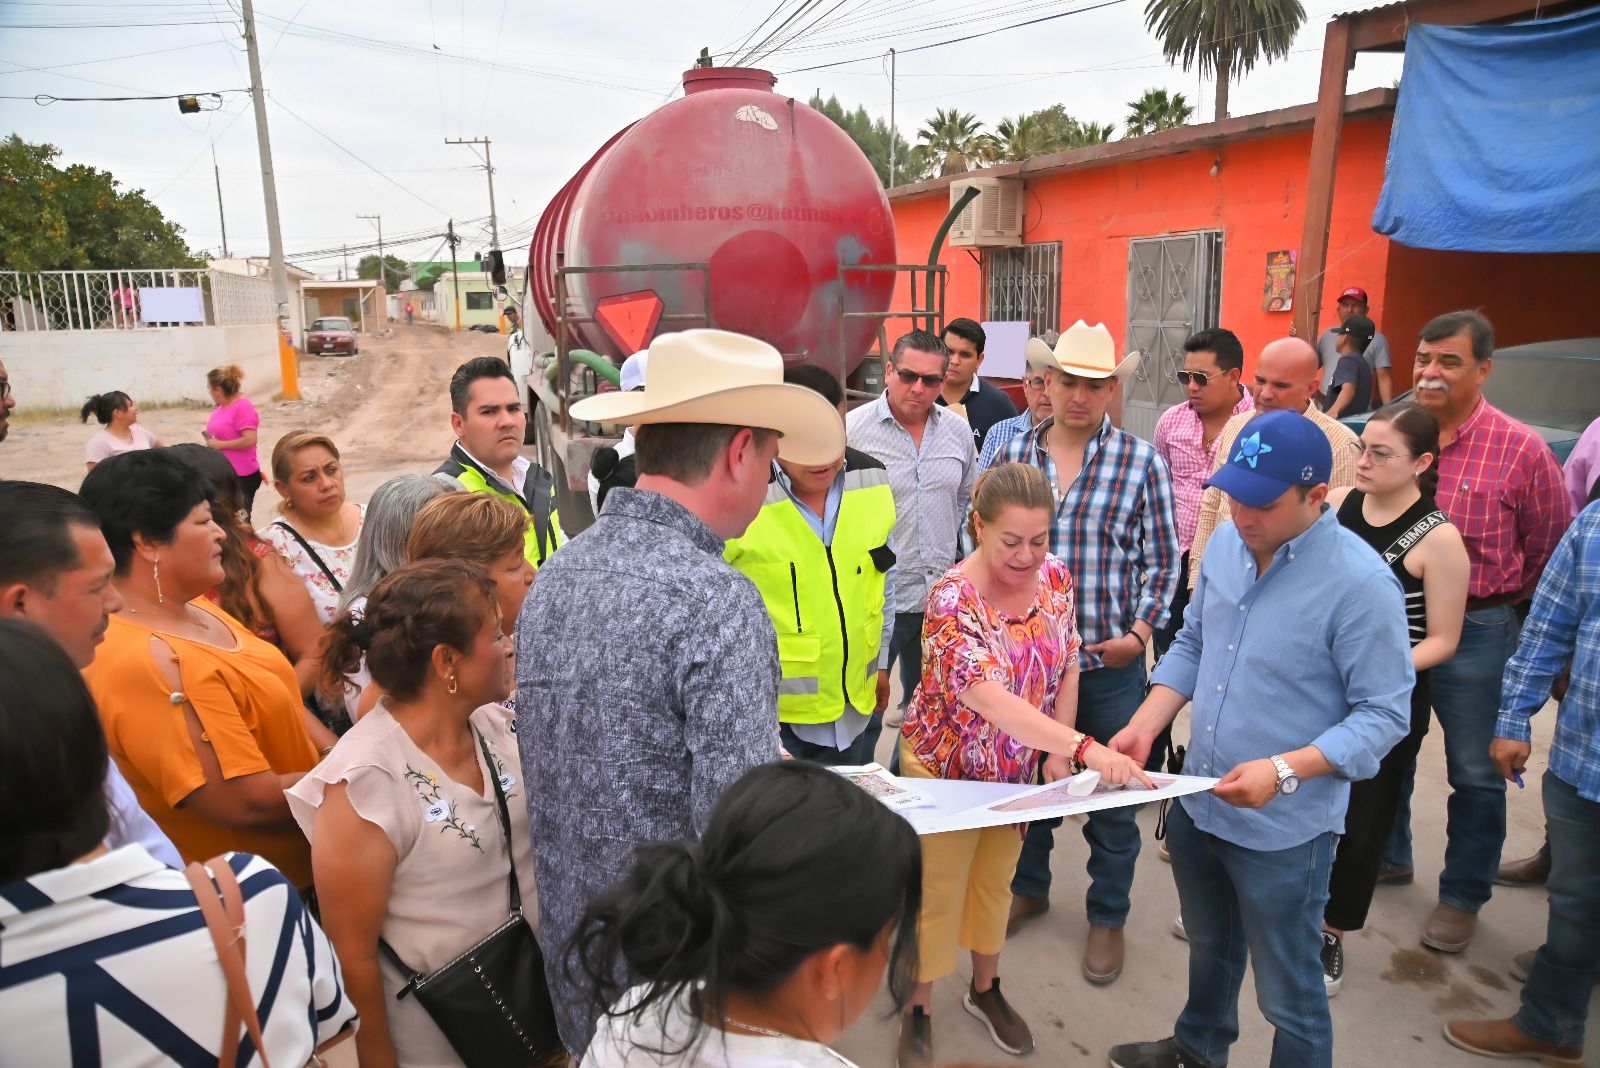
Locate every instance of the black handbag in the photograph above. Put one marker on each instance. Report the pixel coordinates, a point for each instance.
(492, 1002)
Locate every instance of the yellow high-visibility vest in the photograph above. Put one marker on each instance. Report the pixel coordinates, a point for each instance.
(826, 602)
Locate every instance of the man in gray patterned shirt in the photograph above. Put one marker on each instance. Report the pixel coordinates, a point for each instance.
(647, 667)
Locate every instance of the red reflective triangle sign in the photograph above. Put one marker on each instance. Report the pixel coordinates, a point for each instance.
(629, 318)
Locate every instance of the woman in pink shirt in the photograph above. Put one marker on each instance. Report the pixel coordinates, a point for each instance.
(232, 428)
(116, 412)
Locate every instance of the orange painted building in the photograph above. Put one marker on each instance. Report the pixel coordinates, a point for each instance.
(1167, 233)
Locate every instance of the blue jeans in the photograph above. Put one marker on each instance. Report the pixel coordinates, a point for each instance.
(857, 752)
(1239, 902)
(1107, 699)
(1466, 698)
(1555, 999)
(905, 646)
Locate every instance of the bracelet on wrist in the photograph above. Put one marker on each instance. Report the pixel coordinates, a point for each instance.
(1084, 742)
(1143, 642)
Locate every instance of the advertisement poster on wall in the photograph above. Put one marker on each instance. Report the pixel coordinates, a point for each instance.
(1278, 295)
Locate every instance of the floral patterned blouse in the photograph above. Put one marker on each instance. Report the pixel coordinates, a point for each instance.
(449, 887)
(967, 641)
(339, 558)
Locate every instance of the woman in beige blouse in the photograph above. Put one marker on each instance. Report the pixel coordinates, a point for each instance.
(406, 838)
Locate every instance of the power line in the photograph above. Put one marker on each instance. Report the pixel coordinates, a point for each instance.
(46, 99)
(967, 37)
(408, 192)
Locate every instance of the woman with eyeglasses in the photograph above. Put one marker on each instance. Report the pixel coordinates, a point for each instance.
(1391, 507)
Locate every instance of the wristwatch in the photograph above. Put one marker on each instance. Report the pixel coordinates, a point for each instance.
(1288, 781)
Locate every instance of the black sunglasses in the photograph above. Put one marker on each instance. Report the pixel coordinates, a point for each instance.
(911, 378)
(1200, 378)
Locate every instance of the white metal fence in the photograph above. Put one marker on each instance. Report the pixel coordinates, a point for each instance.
(132, 300)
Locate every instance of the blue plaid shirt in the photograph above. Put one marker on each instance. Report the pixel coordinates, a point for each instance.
(1000, 435)
(1563, 622)
(1115, 529)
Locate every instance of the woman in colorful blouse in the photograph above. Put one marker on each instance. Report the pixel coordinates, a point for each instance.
(407, 843)
(233, 426)
(999, 689)
(317, 531)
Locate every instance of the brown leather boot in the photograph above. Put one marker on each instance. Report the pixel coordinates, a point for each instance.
(1529, 871)
(1102, 955)
(1024, 909)
(1504, 1039)
(1449, 929)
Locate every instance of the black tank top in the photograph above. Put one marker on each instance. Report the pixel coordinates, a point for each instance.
(1389, 541)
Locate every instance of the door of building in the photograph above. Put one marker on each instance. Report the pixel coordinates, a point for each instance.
(1024, 285)
(1174, 289)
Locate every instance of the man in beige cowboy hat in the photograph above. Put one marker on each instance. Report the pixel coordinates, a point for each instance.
(1116, 530)
(647, 667)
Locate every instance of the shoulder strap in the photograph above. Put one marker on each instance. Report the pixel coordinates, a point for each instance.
(315, 559)
(222, 905)
(505, 822)
(1413, 534)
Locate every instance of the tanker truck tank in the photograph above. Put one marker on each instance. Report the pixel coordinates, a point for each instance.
(767, 192)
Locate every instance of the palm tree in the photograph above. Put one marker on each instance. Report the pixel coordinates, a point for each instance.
(1156, 111)
(1226, 37)
(1023, 138)
(1084, 134)
(954, 141)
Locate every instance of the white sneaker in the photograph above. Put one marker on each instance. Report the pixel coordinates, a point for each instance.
(1178, 931)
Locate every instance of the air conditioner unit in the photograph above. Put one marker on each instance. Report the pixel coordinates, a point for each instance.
(992, 219)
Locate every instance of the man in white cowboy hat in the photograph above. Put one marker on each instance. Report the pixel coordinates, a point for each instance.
(663, 686)
(1116, 530)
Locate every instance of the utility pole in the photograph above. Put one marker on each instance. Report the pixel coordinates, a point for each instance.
(221, 218)
(891, 119)
(455, 270)
(383, 264)
(344, 267)
(269, 192)
(488, 165)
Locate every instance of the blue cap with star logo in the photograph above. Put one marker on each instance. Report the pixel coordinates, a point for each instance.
(1273, 452)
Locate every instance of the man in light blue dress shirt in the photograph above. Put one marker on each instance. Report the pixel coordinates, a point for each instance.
(1295, 655)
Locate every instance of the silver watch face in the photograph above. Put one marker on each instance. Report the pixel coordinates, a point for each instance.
(1289, 784)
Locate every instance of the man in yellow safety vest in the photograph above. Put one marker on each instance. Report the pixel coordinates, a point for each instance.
(489, 423)
(820, 553)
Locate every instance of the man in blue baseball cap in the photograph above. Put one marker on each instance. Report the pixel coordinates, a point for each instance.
(1294, 652)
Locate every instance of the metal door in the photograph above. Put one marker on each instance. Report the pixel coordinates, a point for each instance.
(1174, 289)
(1024, 285)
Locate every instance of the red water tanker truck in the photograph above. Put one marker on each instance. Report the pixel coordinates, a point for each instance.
(733, 207)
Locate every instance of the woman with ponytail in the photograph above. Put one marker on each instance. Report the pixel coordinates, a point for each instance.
(407, 843)
(116, 412)
(764, 941)
(1391, 507)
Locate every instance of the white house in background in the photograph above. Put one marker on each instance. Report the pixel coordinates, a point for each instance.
(258, 267)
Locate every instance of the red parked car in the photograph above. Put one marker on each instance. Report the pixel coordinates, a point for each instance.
(331, 336)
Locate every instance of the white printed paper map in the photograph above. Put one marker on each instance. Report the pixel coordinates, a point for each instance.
(954, 805)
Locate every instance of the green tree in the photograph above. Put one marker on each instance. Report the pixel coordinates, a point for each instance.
(1225, 37)
(1091, 133)
(395, 269)
(1042, 132)
(1156, 111)
(953, 141)
(76, 217)
(872, 137)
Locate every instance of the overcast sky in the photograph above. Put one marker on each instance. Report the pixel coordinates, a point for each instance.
(362, 93)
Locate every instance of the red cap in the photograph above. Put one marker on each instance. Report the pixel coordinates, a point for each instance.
(1354, 293)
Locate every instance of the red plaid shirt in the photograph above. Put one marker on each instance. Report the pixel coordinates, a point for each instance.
(1501, 486)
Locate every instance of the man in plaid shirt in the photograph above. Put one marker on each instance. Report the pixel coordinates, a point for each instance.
(1116, 531)
(1563, 626)
(1501, 486)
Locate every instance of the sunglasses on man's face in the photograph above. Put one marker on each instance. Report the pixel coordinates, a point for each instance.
(1199, 378)
(911, 378)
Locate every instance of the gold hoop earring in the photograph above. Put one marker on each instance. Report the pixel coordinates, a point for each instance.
(450, 684)
(155, 571)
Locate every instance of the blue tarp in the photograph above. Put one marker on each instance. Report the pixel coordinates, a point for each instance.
(1496, 140)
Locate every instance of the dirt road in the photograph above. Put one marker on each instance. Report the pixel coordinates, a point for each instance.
(387, 409)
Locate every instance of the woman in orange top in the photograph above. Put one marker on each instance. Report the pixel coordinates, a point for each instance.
(212, 775)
